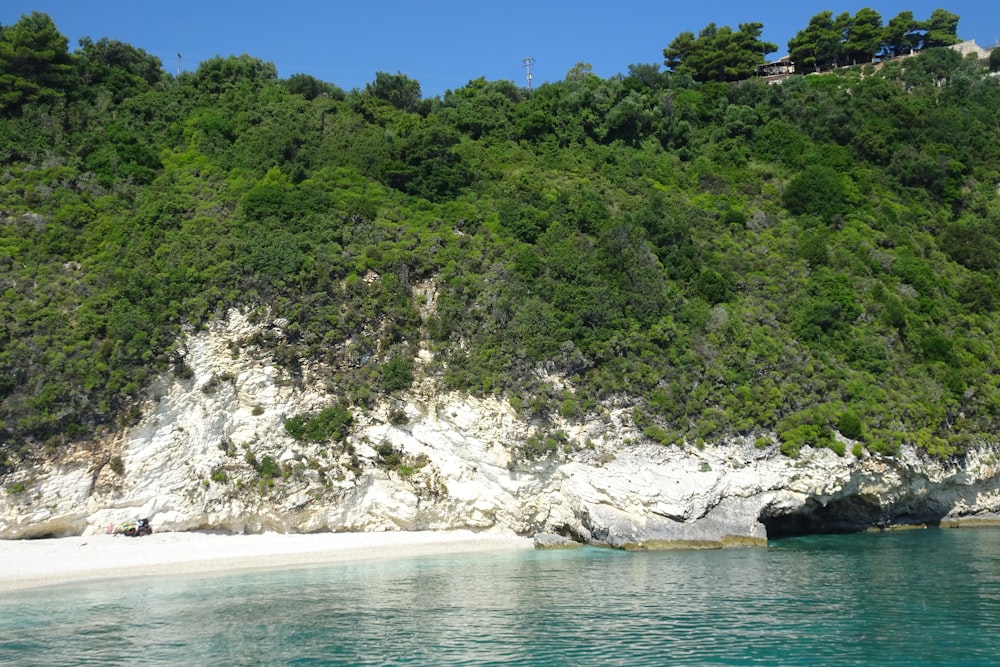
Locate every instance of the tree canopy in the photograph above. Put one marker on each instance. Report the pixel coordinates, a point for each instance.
(718, 53)
(821, 45)
(780, 263)
(34, 63)
(829, 42)
(941, 29)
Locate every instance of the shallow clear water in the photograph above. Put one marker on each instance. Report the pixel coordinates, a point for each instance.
(910, 598)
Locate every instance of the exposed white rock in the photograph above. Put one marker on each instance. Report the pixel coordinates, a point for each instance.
(186, 467)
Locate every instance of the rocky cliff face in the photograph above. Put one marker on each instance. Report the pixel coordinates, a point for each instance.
(196, 460)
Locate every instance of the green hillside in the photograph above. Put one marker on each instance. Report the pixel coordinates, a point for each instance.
(721, 257)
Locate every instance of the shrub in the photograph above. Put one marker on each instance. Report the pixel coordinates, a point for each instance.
(568, 408)
(389, 456)
(793, 439)
(849, 426)
(331, 423)
(817, 190)
(791, 448)
(181, 370)
(269, 468)
(397, 417)
(117, 465)
(397, 374)
(886, 447)
(657, 433)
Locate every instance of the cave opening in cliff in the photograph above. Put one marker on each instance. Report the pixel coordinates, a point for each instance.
(849, 514)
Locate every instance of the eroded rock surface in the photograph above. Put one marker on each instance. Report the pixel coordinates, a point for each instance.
(193, 462)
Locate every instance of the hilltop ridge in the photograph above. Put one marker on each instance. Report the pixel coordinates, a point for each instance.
(810, 264)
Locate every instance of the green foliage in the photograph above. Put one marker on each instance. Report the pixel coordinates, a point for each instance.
(389, 456)
(808, 428)
(116, 68)
(941, 29)
(398, 417)
(901, 36)
(658, 434)
(310, 87)
(849, 425)
(718, 54)
(863, 36)
(331, 423)
(398, 90)
(397, 374)
(269, 468)
(427, 165)
(725, 258)
(829, 41)
(35, 64)
(541, 445)
(820, 45)
(117, 465)
(232, 75)
(818, 190)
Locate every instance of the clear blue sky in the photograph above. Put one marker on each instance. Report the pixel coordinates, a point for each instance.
(445, 43)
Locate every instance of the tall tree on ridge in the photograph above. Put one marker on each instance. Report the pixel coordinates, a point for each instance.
(819, 46)
(718, 54)
(863, 38)
(942, 29)
(35, 64)
(900, 36)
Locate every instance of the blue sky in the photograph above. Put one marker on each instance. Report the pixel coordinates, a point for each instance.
(445, 43)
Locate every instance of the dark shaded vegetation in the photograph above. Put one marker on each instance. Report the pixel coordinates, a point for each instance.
(330, 423)
(724, 259)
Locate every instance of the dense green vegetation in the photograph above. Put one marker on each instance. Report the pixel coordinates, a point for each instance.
(829, 42)
(718, 54)
(721, 258)
(722, 54)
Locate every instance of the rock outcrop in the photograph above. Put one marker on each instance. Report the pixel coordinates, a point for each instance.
(195, 461)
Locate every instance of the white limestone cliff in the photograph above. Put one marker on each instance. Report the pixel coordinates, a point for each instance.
(185, 466)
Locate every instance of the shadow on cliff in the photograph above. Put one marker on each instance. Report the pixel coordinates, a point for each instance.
(850, 514)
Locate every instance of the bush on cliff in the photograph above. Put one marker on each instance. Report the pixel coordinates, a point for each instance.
(719, 257)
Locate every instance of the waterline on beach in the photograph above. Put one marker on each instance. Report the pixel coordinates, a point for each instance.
(31, 563)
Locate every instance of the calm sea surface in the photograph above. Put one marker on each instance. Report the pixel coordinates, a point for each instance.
(909, 598)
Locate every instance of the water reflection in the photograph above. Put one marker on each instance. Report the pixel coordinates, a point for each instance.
(909, 598)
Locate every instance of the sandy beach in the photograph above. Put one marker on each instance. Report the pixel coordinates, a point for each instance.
(32, 563)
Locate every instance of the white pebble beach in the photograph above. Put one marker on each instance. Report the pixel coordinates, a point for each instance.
(44, 562)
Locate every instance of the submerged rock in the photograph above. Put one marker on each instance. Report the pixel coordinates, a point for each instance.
(553, 541)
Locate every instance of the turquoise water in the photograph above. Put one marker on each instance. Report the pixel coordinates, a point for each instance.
(909, 598)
